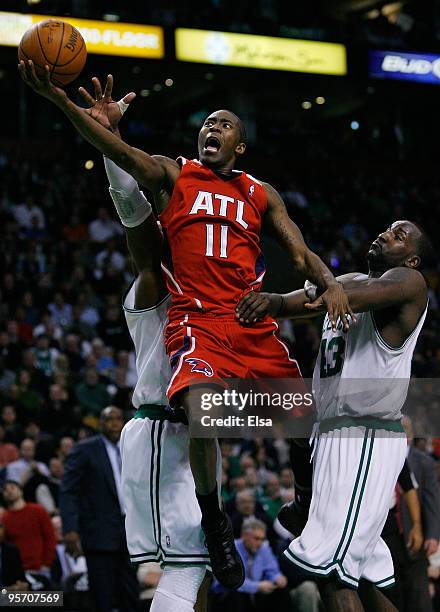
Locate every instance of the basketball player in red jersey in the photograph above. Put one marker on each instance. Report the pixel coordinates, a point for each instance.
(212, 217)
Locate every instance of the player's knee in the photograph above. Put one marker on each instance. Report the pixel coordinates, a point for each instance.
(177, 589)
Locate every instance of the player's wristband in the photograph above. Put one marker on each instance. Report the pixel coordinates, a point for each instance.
(310, 290)
(132, 208)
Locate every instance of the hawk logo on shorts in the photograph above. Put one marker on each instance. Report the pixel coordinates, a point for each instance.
(251, 190)
(198, 365)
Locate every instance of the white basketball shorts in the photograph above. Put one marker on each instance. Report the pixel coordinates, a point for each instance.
(355, 474)
(163, 517)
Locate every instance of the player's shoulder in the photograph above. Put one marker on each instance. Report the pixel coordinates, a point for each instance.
(167, 162)
(409, 278)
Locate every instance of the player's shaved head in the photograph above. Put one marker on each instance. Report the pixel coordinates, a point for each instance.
(236, 119)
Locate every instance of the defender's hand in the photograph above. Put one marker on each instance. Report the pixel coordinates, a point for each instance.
(336, 301)
(102, 107)
(255, 306)
(43, 85)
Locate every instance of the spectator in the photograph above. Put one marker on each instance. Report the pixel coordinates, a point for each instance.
(46, 490)
(28, 527)
(247, 508)
(91, 394)
(74, 231)
(13, 430)
(264, 586)
(11, 569)
(21, 469)
(66, 446)
(8, 452)
(414, 580)
(7, 377)
(103, 228)
(272, 500)
(69, 572)
(92, 512)
(27, 211)
(60, 311)
(109, 256)
(45, 355)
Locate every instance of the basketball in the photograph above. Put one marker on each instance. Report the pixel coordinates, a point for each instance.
(57, 44)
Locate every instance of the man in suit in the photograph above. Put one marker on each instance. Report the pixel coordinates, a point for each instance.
(414, 569)
(11, 569)
(92, 512)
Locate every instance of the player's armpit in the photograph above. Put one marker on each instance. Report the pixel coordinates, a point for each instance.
(171, 171)
(394, 287)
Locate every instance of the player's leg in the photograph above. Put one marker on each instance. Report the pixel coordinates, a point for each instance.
(202, 595)
(338, 598)
(293, 515)
(373, 599)
(178, 589)
(203, 453)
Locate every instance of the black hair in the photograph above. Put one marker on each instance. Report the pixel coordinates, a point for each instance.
(425, 248)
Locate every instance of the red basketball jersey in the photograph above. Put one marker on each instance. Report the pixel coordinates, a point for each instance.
(212, 231)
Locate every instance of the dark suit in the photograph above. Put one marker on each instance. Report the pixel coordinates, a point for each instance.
(11, 569)
(89, 504)
(411, 570)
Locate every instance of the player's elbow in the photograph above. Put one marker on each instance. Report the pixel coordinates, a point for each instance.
(300, 261)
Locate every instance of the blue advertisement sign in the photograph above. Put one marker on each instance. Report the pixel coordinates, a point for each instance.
(419, 67)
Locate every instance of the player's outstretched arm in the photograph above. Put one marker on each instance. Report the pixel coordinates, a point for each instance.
(308, 264)
(153, 172)
(395, 287)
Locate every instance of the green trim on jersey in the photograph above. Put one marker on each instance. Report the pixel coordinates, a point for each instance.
(339, 422)
(155, 412)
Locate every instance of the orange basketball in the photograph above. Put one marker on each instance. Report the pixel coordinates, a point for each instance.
(57, 44)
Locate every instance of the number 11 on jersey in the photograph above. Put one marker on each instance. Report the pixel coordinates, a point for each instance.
(210, 240)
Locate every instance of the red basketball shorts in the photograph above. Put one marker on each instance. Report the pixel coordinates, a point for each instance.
(203, 349)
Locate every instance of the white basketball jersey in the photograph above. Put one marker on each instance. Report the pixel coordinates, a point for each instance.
(146, 327)
(358, 374)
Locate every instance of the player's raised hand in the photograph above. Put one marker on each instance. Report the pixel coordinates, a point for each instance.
(102, 107)
(42, 86)
(254, 306)
(336, 301)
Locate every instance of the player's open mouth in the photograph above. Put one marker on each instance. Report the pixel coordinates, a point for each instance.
(212, 144)
(376, 245)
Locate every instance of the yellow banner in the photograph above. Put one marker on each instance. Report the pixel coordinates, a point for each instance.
(266, 52)
(106, 38)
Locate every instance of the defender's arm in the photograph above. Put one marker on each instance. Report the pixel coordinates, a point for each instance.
(308, 264)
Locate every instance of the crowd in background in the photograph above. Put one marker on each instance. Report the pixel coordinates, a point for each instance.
(65, 353)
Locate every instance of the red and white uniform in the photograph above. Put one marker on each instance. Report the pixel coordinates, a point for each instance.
(212, 258)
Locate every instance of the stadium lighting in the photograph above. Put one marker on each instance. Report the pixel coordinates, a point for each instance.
(306, 105)
(354, 125)
(320, 100)
(169, 82)
(157, 87)
(89, 165)
(145, 93)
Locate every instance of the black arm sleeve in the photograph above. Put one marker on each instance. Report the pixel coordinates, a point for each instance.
(406, 478)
